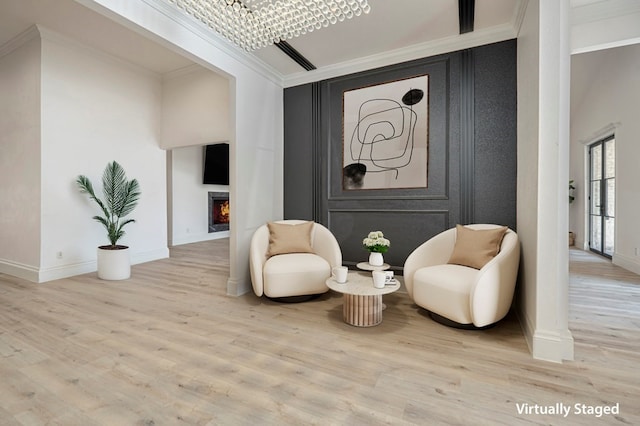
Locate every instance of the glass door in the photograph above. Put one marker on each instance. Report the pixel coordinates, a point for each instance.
(602, 196)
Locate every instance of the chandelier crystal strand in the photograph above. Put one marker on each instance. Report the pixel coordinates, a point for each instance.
(253, 24)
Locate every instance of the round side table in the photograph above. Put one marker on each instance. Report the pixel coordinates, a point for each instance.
(362, 303)
(365, 266)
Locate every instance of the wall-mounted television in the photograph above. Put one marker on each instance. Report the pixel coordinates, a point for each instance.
(216, 164)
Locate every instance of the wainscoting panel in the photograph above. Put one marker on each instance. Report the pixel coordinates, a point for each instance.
(352, 226)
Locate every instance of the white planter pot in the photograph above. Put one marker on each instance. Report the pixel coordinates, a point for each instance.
(114, 264)
(376, 259)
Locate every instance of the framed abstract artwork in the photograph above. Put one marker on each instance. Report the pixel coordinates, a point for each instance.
(385, 135)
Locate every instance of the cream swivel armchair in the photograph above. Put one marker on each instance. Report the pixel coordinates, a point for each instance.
(292, 258)
(473, 296)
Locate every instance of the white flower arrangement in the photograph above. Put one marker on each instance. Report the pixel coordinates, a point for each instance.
(376, 242)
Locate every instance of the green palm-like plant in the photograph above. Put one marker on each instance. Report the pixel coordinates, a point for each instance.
(571, 188)
(120, 198)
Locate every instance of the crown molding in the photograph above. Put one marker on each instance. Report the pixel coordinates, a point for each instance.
(219, 42)
(603, 10)
(181, 72)
(601, 133)
(20, 40)
(604, 46)
(518, 15)
(422, 50)
(409, 53)
(38, 31)
(52, 36)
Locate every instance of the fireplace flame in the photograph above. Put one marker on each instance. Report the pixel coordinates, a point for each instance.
(221, 211)
(224, 211)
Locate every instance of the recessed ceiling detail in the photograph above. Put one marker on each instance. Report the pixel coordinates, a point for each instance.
(466, 15)
(295, 55)
(253, 24)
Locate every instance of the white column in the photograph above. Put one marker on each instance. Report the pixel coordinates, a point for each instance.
(543, 164)
(552, 338)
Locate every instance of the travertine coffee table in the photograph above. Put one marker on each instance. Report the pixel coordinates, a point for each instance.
(362, 302)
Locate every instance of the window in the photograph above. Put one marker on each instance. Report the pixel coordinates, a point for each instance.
(602, 196)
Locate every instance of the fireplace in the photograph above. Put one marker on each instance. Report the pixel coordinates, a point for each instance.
(218, 211)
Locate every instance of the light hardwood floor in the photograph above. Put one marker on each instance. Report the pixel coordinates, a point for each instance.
(169, 347)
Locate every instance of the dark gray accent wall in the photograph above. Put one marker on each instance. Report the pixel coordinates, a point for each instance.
(495, 128)
(471, 160)
(300, 159)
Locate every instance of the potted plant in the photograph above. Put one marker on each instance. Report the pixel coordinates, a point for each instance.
(120, 198)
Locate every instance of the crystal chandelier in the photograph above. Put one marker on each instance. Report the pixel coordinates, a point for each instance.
(253, 24)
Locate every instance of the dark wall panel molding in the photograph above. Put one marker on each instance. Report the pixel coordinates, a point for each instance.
(438, 70)
(351, 226)
(467, 136)
(316, 164)
(303, 150)
(471, 163)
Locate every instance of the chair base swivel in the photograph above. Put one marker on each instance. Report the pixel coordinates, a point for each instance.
(295, 299)
(449, 323)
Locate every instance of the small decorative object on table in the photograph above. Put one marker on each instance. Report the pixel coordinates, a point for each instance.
(376, 244)
(389, 279)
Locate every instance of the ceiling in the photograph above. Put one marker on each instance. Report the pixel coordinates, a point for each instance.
(397, 30)
(391, 25)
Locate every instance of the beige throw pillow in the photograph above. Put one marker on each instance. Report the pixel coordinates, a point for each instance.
(287, 238)
(476, 247)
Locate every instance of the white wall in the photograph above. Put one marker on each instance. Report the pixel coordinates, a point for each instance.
(195, 112)
(543, 157)
(189, 204)
(20, 158)
(195, 108)
(608, 100)
(96, 109)
(256, 118)
(257, 171)
(527, 185)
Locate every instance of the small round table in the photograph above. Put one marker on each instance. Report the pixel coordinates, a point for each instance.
(366, 266)
(362, 302)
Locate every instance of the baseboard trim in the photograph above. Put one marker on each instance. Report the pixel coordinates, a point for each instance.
(42, 275)
(553, 345)
(232, 287)
(19, 270)
(149, 256)
(237, 287)
(527, 328)
(196, 238)
(546, 345)
(626, 262)
(66, 271)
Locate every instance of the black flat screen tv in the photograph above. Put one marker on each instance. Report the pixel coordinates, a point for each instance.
(216, 164)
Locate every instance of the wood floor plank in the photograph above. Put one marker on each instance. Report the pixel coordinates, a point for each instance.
(168, 346)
